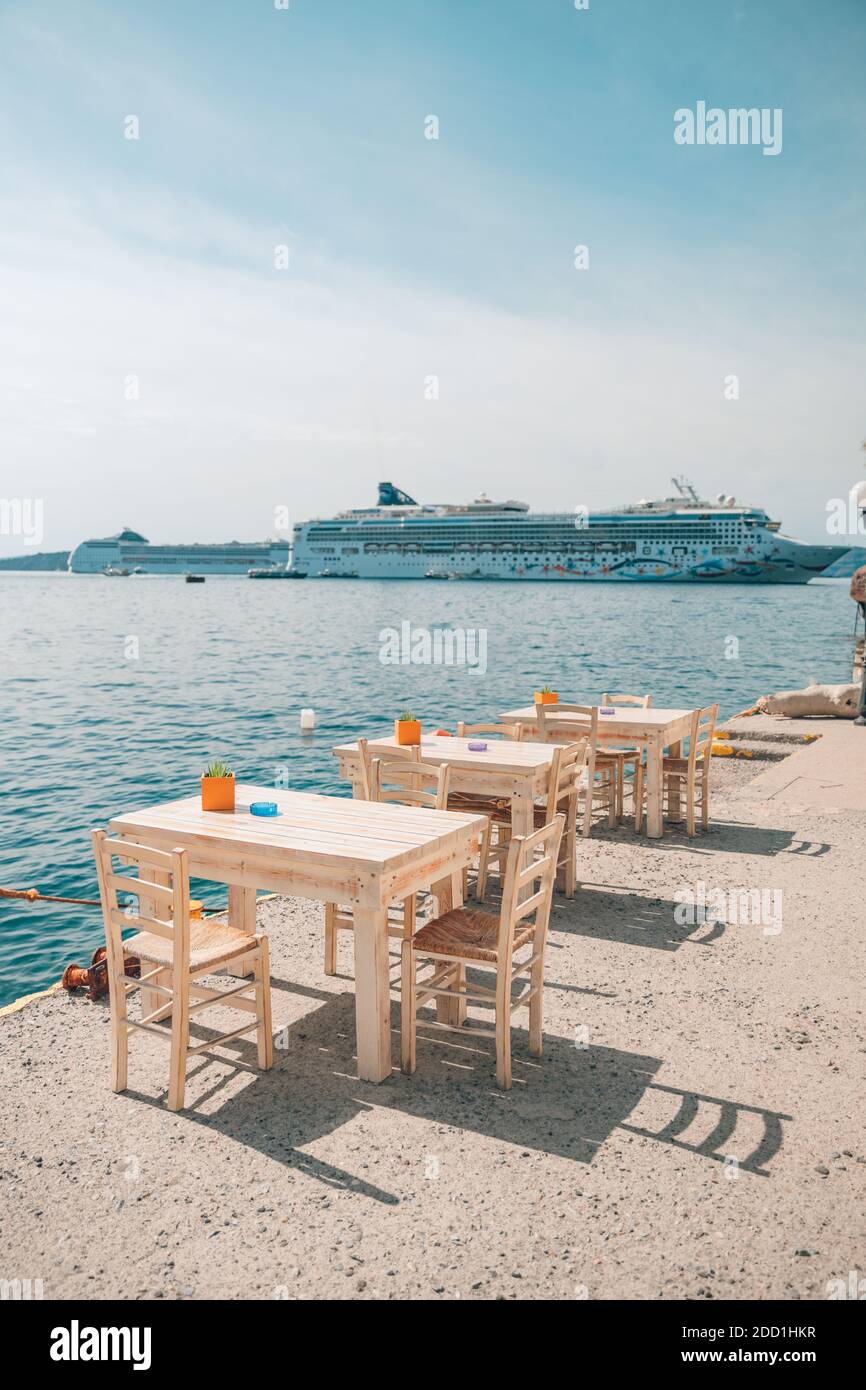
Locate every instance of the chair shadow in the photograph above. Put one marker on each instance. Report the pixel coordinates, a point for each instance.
(612, 912)
(607, 913)
(565, 1104)
(723, 836)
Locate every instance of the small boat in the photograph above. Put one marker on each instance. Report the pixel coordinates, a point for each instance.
(276, 574)
(194, 578)
(337, 574)
(113, 572)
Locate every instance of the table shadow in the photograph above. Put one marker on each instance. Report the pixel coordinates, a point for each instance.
(565, 1104)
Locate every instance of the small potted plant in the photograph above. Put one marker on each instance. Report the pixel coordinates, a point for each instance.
(217, 787)
(407, 729)
(546, 696)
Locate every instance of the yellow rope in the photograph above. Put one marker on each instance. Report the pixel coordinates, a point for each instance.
(33, 895)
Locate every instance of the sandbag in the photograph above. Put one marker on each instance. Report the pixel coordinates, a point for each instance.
(838, 701)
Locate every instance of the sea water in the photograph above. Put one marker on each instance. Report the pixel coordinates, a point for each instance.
(115, 693)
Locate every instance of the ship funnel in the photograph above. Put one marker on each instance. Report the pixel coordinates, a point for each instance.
(391, 496)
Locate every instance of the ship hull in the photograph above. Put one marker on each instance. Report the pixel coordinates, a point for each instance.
(91, 557)
(786, 562)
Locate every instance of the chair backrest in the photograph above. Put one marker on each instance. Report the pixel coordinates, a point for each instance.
(409, 782)
(163, 907)
(566, 773)
(561, 730)
(511, 731)
(523, 870)
(642, 701)
(701, 733)
(364, 769)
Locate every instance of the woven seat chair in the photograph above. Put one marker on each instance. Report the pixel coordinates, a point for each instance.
(598, 784)
(691, 774)
(497, 808)
(565, 781)
(361, 789)
(622, 756)
(476, 801)
(179, 950)
(404, 781)
(468, 937)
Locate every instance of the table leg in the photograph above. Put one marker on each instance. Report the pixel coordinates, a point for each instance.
(242, 916)
(674, 790)
(372, 994)
(654, 750)
(448, 892)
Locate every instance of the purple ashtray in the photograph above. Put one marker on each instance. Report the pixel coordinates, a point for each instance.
(478, 748)
(607, 709)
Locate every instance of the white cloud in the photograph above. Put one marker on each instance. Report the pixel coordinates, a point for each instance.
(258, 387)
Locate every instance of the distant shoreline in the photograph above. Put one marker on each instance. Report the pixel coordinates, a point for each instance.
(42, 563)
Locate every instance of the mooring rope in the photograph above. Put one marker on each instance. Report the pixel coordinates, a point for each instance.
(33, 895)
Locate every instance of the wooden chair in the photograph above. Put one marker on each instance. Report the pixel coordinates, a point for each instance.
(690, 774)
(405, 781)
(410, 782)
(179, 950)
(494, 841)
(599, 783)
(511, 731)
(639, 701)
(567, 774)
(363, 771)
(631, 754)
(476, 801)
(469, 937)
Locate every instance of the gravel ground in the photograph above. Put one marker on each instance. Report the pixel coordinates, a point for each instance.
(694, 1129)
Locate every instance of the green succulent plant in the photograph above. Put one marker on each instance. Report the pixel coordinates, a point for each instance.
(217, 768)
(406, 717)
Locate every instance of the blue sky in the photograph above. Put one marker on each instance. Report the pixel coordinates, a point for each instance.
(257, 387)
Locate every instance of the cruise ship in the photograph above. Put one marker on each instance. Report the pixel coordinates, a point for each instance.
(683, 539)
(130, 553)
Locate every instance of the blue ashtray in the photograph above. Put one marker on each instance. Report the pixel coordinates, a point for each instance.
(264, 808)
(477, 747)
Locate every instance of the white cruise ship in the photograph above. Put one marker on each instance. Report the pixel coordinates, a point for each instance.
(130, 553)
(681, 539)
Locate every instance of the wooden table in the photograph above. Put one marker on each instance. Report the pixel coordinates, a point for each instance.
(518, 771)
(654, 729)
(330, 848)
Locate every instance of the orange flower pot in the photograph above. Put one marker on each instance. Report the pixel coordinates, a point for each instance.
(218, 793)
(546, 697)
(407, 731)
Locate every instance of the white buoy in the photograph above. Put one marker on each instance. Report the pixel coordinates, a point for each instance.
(308, 720)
